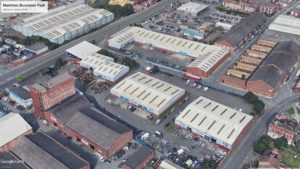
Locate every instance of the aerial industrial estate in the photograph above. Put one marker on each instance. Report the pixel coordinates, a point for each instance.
(166, 84)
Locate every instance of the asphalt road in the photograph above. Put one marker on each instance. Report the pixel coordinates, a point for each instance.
(49, 58)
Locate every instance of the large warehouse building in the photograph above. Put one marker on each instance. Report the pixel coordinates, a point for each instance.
(77, 118)
(286, 24)
(208, 57)
(214, 122)
(103, 66)
(64, 23)
(192, 8)
(148, 93)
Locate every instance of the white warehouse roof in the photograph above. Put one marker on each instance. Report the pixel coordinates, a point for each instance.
(192, 7)
(286, 24)
(207, 117)
(64, 22)
(178, 45)
(111, 71)
(151, 93)
(208, 60)
(12, 126)
(95, 60)
(83, 49)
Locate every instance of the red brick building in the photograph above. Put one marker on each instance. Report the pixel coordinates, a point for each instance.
(139, 159)
(52, 92)
(248, 6)
(77, 118)
(269, 74)
(205, 65)
(283, 128)
(56, 102)
(13, 129)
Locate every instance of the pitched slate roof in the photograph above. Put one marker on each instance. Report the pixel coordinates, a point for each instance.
(238, 32)
(77, 114)
(138, 157)
(8, 156)
(277, 64)
(40, 151)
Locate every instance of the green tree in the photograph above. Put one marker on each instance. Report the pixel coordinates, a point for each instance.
(209, 164)
(129, 62)
(263, 144)
(259, 106)
(251, 98)
(59, 63)
(297, 145)
(20, 78)
(281, 143)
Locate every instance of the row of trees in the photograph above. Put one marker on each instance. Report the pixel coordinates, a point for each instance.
(267, 143)
(131, 63)
(32, 39)
(118, 10)
(258, 105)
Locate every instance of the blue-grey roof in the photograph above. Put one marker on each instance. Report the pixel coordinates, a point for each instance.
(138, 157)
(238, 32)
(16, 163)
(41, 151)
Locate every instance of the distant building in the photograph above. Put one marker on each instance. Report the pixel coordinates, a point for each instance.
(286, 24)
(41, 151)
(139, 159)
(214, 122)
(267, 6)
(148, 93)
(296, 11)
(13, 129)
(237, 35)
(64, 23)
(21, 96)
(193, 34)
(52, 92)
(167, 164)
(281, 127)
(77, 118)
(192, 8)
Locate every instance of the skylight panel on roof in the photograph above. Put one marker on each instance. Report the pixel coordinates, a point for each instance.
(202, 120)
(161, 102)
(186, 113)
(221, 129)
